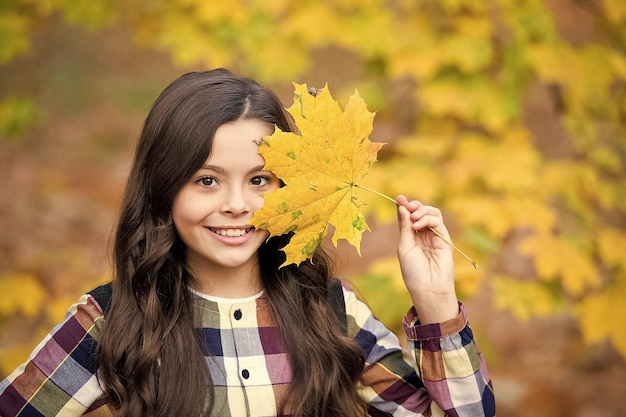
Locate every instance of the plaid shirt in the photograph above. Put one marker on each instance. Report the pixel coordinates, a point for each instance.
(250, 367)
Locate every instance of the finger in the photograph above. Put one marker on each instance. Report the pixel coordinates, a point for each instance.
(405, 224)
(402, 200)
(432, 223)
(410, 205)
(425, 222)
(423, 211)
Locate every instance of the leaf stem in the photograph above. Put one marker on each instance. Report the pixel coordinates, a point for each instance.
(431, 228)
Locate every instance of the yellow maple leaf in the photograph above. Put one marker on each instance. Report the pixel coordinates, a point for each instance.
(321, 168)
(557, 257)
(524, 298)
(611, 242)
(601, 315)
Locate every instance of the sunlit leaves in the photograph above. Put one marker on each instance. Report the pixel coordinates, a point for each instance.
(22, 294)
(509, 165)
(89, 14)
(586, 73)
(601, 314)
(525, 298)
(13, 35)
(471, 70)
(615, 11)
(528, 21)
(558, 258)
(611, 244)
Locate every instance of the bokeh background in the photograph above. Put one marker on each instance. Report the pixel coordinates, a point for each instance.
(510, 115)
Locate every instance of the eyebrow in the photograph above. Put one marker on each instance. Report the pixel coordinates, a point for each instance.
(223, 171)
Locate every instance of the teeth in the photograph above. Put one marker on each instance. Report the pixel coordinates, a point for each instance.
(231, 232)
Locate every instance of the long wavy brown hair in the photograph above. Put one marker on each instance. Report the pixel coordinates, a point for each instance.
(149, 354)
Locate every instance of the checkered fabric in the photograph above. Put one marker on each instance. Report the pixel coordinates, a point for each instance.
(250, 367)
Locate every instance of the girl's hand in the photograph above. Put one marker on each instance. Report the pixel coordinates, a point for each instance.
(426, 261)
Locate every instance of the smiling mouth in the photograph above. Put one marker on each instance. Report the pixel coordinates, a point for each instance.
(232, 232)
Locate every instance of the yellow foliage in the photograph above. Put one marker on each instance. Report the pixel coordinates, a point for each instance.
(315, 24)
(602, 316)
(188, 43)
(528, 21)
(524, 298)
(269, 62)
(475, 210)
(460, 5)
(217, 12)
(606, 159)
(421, 52)
(555, 257)
(615, 10)
(13, 35)
(611, 194)
(21, 294)
(469, 70)
(530, 212)
(321, 168)
(586, 73)
(91, 14)
(498, 216)
(422, 148)
(577, 184)
(469, 47)
(356, 31)
(16, 116)
(420, 62)
(402, 176)
(611, 244)
(57, 308)
(477, 102)
(509, 165)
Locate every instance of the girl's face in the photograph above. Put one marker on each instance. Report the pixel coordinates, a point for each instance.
(212, 210)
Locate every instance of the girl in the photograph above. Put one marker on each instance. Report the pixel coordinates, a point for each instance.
(202, 321)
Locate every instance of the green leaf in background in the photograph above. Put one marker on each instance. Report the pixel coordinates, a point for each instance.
(16, 116)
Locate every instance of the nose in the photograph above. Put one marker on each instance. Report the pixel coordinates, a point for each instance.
(236, 202)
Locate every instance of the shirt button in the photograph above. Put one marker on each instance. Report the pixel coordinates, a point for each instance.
(238, 314)
(245, 374)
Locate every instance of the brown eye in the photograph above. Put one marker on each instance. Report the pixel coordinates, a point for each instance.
(207, 181)
(261, 180)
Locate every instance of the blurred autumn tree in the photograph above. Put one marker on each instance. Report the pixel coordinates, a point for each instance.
(517, 130)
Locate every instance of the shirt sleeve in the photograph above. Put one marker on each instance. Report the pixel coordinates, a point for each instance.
(451, 365)
(441, 373)
(59, 377)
